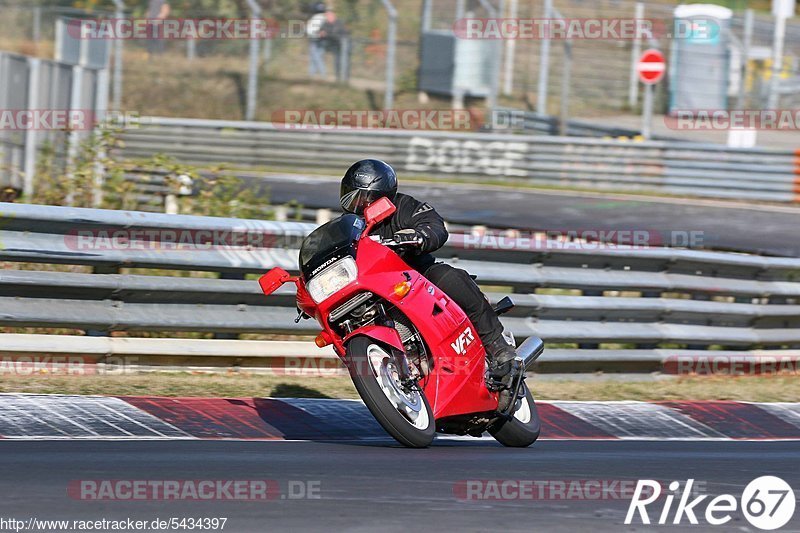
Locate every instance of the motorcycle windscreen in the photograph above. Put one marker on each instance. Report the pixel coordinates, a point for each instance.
(330, 242)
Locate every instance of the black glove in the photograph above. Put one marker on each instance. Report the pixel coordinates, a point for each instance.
(407, 237)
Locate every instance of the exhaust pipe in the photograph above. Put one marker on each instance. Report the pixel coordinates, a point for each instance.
(529, 351)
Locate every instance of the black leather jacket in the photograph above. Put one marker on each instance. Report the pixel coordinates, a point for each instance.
(420, 216)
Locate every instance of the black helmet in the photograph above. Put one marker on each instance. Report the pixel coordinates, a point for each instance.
(366, 181)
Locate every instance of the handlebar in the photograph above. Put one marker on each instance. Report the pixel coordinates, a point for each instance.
(391, 243)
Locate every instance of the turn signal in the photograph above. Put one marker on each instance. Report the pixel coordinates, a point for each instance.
(402, 288)
(322, 340)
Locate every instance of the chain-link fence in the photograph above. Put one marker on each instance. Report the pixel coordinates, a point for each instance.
(209, 77)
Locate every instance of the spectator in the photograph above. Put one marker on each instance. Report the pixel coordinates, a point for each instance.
(334, 33)
(156, 10)
(316, 46)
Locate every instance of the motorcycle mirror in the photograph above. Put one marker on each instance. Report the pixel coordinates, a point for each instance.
(379, 211)
(272, 280)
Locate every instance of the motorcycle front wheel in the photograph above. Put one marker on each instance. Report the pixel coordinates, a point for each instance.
(405, 415)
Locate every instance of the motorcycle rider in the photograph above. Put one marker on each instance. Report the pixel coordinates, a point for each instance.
(421, 230)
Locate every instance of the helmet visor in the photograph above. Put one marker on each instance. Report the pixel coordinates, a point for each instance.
(356, 200)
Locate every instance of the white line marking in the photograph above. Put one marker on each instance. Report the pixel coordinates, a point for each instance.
(145, 413)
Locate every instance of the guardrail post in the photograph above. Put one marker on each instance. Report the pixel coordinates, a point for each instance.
(101, 270)
(228, 275)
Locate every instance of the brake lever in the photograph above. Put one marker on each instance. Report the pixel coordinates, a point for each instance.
(392, 243)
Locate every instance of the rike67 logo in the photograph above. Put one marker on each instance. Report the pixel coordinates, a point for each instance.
(767, 502)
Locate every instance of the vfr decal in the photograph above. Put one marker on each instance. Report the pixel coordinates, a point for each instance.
(463, 341)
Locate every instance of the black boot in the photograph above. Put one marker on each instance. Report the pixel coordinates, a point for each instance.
(501, 356)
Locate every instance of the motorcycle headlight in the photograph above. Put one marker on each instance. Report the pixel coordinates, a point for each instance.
(333, 279)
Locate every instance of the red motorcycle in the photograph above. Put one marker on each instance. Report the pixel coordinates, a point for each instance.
(412, 353)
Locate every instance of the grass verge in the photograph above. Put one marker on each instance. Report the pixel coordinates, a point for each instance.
(783, 388)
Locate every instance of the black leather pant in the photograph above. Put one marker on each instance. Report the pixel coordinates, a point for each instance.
(459, 286)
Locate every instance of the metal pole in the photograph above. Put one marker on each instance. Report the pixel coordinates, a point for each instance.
(565, 81)
(459, 92)
(497, 49)
(544, 65)
(73, 140)
(391, 49)
(252, 79)
(101, 112)
(116, 84)
(511, 48)
(636, 51)
(747, 43)
(29, 164)
(267, 55)
(58, 52)
(460, 9)
(37, 26)
(777, 61)
(191, 49)
(647, 115)
(344, 59)
(427, 7)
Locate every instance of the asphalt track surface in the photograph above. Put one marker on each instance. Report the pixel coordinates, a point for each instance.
(764, 229)
(378, 486)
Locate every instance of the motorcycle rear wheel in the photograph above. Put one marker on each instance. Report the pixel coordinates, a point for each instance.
(523, 429)
(406, 416)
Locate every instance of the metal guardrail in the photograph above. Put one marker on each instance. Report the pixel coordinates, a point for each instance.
(644, 298)
(707, 170)
(507, 120)
(72, 354)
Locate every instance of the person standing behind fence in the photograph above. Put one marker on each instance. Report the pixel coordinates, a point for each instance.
(334, 34)
(156, 10)
(316, 46)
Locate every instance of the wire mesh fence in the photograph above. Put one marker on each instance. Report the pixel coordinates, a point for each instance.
(208, 77)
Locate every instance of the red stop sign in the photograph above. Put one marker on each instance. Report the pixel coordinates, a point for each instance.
(651, 66)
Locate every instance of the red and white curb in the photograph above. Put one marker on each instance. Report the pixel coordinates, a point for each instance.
(40, 416)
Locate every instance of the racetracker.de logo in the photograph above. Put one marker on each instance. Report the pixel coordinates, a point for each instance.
(181, 29)
(734, 365)
(407, 119)
(249, 490)
(735, 119)
(144, 239)
(544, 489)
(575, 29)
(46, 119)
